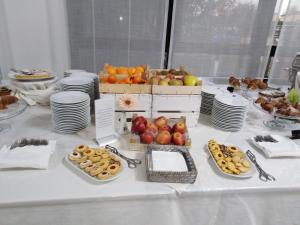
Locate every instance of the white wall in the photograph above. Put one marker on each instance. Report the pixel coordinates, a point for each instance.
(37, 35)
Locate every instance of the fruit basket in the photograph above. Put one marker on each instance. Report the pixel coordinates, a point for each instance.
(158, 132)
(174, 82)
(120, 80)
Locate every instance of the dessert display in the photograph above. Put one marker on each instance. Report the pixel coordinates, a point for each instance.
(98, 163)
(7, 100)
(34, 74)
(248, 82)
(124, 75)
(4, 91)
(230, 159)
(161, 131)
(281, 106)
(173, 77)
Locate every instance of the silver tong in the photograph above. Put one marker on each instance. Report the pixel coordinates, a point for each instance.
(262, 174)
(24, 142)
(132, 163)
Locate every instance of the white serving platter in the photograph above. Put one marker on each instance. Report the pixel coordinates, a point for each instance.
(249, 174)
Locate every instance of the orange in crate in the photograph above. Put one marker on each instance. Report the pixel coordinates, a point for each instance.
(111, 79)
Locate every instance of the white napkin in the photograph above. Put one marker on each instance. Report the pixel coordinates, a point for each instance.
(29, 156)
(168, 161)
(285, 147)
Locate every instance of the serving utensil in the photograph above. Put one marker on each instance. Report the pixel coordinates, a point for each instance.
(267, 138)
(263, 176)
(132, 163)
(24, 142)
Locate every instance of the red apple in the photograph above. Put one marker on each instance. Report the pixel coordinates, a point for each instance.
(146, 138)
(160, 121)
(138, 128)
(140, 119)
(163, 137)
(151, 127)
(165, 127)
(178, 138)
(179, 127)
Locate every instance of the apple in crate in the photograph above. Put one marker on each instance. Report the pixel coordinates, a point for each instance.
(163, 137)
(140, 119)
(160, 121)
(178, 138)
(165, 127)
(146, 138)
(179, 127)
(151, 127)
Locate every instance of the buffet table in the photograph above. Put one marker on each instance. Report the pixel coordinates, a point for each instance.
(59, 196)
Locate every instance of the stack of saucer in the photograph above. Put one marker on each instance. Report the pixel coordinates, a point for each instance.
(68, 73)
(208, 94)
(70, 111)
(229, 111)
(82, 74)
(83, 84)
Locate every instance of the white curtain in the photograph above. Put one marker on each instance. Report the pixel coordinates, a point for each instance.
(216, 38)
(119, 32)
(288, 44)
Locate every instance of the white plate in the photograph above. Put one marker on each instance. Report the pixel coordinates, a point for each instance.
(249, 174)
(69, 97)
(233, 100)
(227, 107)
(12, 75)
(89, 177)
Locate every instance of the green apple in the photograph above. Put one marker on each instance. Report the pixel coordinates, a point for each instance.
(163, 82)
(190, 80)
(175, 82)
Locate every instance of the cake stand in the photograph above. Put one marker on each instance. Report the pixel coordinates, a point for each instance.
(12, 110)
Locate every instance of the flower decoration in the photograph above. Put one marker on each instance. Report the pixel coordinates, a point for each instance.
(127, 102)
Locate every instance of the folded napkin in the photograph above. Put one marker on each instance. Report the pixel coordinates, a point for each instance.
(168, 161)
(285, 147)
(29, 156)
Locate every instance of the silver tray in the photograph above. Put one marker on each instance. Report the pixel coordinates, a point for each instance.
(170, 176)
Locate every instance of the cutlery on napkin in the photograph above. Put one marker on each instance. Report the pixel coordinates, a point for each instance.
(29, 156)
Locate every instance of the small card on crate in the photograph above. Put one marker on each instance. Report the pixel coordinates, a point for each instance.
(105, 121)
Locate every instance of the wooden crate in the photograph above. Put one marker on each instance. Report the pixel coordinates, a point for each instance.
(136, 146)
(182, 103)
(125, 88)
(174, 90)
(192, 118)
(144, 102)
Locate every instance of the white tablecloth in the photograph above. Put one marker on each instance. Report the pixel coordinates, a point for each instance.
(59, 196)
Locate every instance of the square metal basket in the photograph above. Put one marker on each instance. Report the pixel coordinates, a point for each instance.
(170, 176)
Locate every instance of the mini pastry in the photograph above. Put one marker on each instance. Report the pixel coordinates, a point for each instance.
(243, 169)
(95, 170)
(221, 162)
(262, 85)
(8, 99)
(101, 151)
(81, 148)
(95, 158)
(232, 149)
(246, 163)
(88, 152)
(268, 107)
(88, 168)
(105, 155)
(85, 164)
(252, 86)
(74, 156)
(82, 159)
(113, 169)
(104, 175)
(104, 163)
(236, 159)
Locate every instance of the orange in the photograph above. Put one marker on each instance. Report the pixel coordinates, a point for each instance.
(111, 70)
(131, 70)
(122, 70)
(137, 78)
(111, 79)
(139, 69)
(128, 80)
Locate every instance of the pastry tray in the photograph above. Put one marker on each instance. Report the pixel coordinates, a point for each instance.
(75, 168)
(170, 176)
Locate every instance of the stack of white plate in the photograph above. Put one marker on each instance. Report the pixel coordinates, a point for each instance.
(208, 94)
(229, 111)
(81, 74)
(83, 84)
(70, 111)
